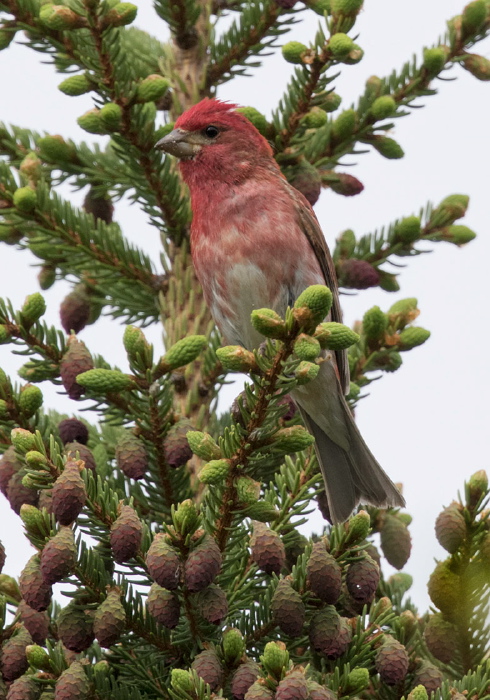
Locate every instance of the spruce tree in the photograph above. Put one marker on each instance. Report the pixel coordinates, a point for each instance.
(174, 530)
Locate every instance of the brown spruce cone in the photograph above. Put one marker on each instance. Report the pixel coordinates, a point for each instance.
(330, 634)
(213, 604)
(76, 360)
(9, 465)
(2, 557)
(362, 579)
(73, 430)
(126, 535)
(36, 623)
(267, 549)
(208, 667)
(175, 446)
(14, 661)
(76, 627)
(323, 574)
(429, 676)
(46, 500)
(59, 556)
(396, 542)
(75, 451)
(292, 687)
(75, 310)
(163, 563)
(243, 678)
(131, 456)
(24, 688)
(202, 565)
(319, 692)
(110, 619)
(18, 494)
(72, 684)
(441, 638)
(357, 274)
(35, 592)
(288, 609)
(100, 205)
(451, 528)
(164, 606)
(392, 662)
(69, 494)
(259, 691)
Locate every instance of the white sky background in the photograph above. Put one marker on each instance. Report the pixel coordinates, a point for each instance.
(428, 422)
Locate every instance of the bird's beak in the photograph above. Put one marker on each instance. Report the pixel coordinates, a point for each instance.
(177, 144)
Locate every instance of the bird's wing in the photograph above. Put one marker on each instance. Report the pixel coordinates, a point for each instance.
(311, 228)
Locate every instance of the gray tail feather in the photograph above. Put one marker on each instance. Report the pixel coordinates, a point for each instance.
(351, 477)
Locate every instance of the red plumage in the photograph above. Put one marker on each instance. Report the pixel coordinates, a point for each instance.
(255, 243)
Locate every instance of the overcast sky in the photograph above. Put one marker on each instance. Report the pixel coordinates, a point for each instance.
(428, 422)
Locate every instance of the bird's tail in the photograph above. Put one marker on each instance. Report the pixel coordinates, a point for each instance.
(351, 475)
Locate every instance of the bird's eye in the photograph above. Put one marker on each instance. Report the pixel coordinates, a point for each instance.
(211, 132)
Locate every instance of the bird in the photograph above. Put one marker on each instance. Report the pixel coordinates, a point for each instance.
(256, 243)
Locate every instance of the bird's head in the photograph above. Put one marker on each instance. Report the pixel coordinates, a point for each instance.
(212, 137)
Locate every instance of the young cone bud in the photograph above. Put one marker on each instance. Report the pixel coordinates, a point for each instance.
(256, 118)
(435, 59)
(73, 430)
(306, 347)
(233, 646)
(37, 657)
(323, 574)
(383, 107)
(34, 307)
(163, 563)
(441, 638)
(268, 323)
(75, 361)
(54, 149)
(59, 556)
(176, 446)
(408, 229)
(76, 628)
(374, 324)
(110, 619)
(121, 14)
(105, 381)
(243, 678)
(126, 535)
(392, 662)
(213, 604)
(396, 542)
(152, 88)
(111, 116)
(75, 85)
(420, 693)
(31, 167)
(131, 456)
(288, 609)
(202, 565)
(203, 445)
(294, 51)
(412, 337)
(450, 528)
(25, 199)
(313, 305)
(183, 352)
(292, 439)
(340, 45)
(478, 66)
(164, 606)
(14, 661)
(72, 684)
(362, 579)
(186, 518)
(208, 667)
(69, 494)
(35, 592)
(335, 336)
(234, 358)
(267, 549)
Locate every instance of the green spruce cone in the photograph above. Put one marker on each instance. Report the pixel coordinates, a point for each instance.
(76, 627)
(164, 606)
(30, 399)
(73, 430)
(19, 494)
(412, 337)
(233, 646)
(33, 308)
(208, 667)
(396, 542)
(268, 323)
(126, 535)
(408, 229)
(313, 305)
(110, 619)
(451, 528)
(75, 85)
(444, 588)
(256, 118)
(75, 451)
(105, 381)
(292, 687)
(75, 361)
(294, 51)
(288, 609)
(429, 676)
(176, 446)
(203, 445)
(152, 88)
(163, 563)
(183, 352)
(420, 693)
(383, 107)
(330, 634)
(441, 638)
(72, 684)
(111, 116)
(374, 323)
(212, 604)
(362, 579)
(131, 456)
(35, 592)
(13, 660)
(320, 692)
(120, 14)
(267, 549)
(38, 658)
(69, 494)
(24, 688)
(202, 565)
(358, 679)
(392, 662)
(186, 518)
(323, 574)
(25, 199)
(55, 149)
(36, 623)
(435, 59)
(59, 556)
(306, 347)
(243, 678)
(293, 439)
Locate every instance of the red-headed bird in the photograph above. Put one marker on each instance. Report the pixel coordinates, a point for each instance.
(256, 243)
